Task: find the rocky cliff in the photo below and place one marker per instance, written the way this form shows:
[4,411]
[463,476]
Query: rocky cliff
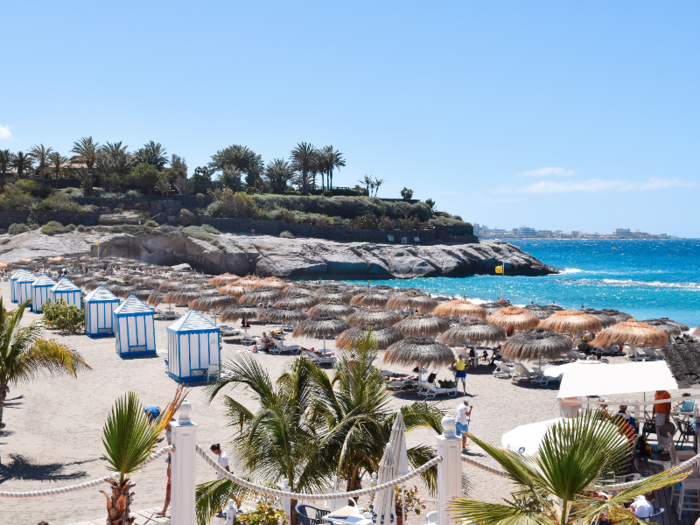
[293,258]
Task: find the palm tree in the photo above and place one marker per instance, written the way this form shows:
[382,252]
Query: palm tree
[354,413]
[21,162]
[303,160]
[24,353]
[129,438]
[152,153]
[377,184]
[56,164]
[333,159]
[115,158]
[5,159]
[278,173]
[86,152]
[163,185]
[40,154]
[556,487]
[278,441]
[368,181]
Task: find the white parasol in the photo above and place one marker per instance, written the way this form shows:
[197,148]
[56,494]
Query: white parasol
[398,445]
[384,506]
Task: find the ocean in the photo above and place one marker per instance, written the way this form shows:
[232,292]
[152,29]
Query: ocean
[644,278]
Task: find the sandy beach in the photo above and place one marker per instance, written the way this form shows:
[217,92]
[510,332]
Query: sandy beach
[53,426]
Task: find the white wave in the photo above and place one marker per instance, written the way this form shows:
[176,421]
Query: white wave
[571,270]
[651,284]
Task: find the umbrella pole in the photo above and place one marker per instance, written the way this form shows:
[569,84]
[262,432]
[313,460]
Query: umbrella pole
[403,503]
[324,342]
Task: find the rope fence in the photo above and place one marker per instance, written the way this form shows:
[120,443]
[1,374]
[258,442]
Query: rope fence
[312,497]
[492,470]
[80,486]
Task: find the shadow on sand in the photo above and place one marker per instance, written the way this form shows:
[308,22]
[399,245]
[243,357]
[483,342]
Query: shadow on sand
[21,467]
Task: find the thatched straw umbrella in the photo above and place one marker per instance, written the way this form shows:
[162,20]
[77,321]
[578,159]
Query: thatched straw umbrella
[384,334]
[423,325]
[322,326]
[514,319]
[261,296]
[331,308]
[247,282]
[617,315]
[142,293]
[667,325]
[224,279]
[283,315]
[296,291]
[634,332]
[210,303]
[155,298]
[233,290]
[94,284]
[369,298]
[272,282]
[494,307]
[473,331]
[373,316]
[333,294]
[536,344]
[57,259]
[460,308]
[684,361]
[542,311]
[572,322]
[421,351]
[184,297]
[122,290]
[300,303]
[605,319]
[413,300]
[241,311]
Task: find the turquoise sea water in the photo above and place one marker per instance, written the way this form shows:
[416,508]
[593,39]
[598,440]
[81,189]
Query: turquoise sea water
[647,279]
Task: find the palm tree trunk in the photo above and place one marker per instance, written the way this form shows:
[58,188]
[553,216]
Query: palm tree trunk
[3,395]
[119,503]
[330,175]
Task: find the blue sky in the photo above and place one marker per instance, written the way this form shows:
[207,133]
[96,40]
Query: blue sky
[555,115]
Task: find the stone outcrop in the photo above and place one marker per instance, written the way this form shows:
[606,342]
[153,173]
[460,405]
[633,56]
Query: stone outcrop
[293,258]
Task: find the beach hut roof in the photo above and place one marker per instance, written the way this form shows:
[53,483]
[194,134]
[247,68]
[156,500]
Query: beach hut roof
[192,321]
[133,305]
[65,285]
[27,277]
[101,294]
[44,280]
[18,274]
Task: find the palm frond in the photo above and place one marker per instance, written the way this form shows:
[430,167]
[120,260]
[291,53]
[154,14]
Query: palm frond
[474,511]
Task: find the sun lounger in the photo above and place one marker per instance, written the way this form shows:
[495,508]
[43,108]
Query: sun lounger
[523,374]
[281,349]
[318,359]
[430,391]
[401,385]
[502,371]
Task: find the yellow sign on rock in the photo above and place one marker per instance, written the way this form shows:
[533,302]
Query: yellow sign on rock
[499,269]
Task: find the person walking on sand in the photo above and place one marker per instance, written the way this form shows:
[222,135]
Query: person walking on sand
[459,366]
[463,414]
[222,461]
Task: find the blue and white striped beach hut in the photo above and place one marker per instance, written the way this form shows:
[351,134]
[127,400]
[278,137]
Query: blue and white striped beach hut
[135,328]
[99,312]
[14,285]
[194,349]
[64,290]
[41,292]
[25,287]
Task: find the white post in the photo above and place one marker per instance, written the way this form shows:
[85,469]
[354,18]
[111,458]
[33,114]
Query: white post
[286,502]
[449,480]
[183,475]
[230,512]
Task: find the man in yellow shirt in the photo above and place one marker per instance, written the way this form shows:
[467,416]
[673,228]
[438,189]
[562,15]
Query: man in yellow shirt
[459,366]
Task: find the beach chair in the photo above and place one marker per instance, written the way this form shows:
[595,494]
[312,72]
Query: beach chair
[431,517]
[430,391]
[279,348]
[309,515]
[502,371]
[213,371]
[523,374]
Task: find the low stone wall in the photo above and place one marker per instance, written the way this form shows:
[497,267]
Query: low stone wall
[86,218]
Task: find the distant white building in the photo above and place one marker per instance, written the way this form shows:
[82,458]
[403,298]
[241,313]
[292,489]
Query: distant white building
[526,231]
[477,228]
[621,231]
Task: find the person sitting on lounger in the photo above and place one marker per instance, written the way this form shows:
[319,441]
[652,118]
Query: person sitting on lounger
[267,343]
[254,350]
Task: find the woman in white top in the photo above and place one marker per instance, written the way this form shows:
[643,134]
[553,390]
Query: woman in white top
[222,459]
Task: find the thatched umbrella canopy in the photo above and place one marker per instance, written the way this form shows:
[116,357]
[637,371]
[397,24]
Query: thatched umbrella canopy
[373,316]
[473,330]
[224,279]
[283,315]
[185,297]
[536,344]
[543,311]
[414,300]
[460,308]
[605,319]
[633,332]
[667,325]
[142,293]
[423,325]
[272,282]
[210,303]
[261,296]
[300,303]
[322,326]
[296,291]
[331,308]
[384,334]
[333,294]
[369,298]
[421,351]
[248,281]
[514,319]
[494,307]
[122,290]
[572,322]
[94,284]
[233,290]
[617,315]
[241,311]
[155,298]
[684,361]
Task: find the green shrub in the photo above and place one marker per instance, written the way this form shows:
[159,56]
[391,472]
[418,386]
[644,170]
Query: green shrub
[60,202]
[199,233]
[327,192]
[230,204]
[366,222]
[74,192]
[385,223]
[287,235]
[201,200]
[56,228]
[406,194]
[133,194]
[14,198]
[81,228]
[62,317]
[16,229]
[187,218]
[151,224]
[5,240]
[34,188]
[210,229]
